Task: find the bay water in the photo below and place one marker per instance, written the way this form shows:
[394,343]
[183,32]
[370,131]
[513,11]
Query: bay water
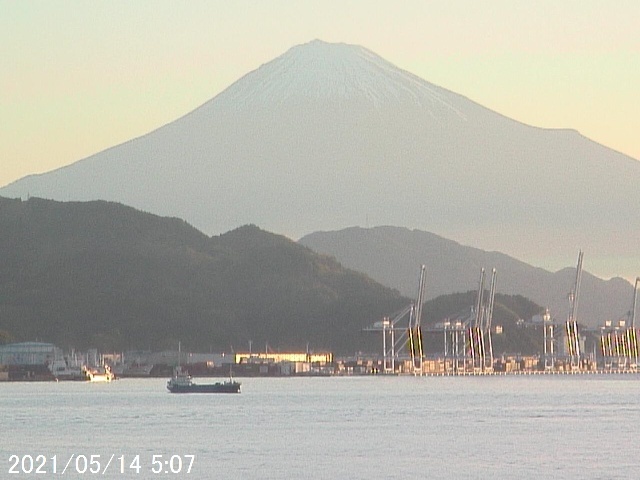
[384,427]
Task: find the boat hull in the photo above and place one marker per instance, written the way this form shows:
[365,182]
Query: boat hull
[227,387]
[98,374]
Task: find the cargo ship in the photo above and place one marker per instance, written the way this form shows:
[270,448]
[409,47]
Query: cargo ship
[181,382]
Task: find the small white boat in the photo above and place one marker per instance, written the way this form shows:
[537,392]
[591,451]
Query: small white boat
[99,374]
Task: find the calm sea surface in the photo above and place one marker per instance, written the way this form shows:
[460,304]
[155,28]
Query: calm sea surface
[574,427]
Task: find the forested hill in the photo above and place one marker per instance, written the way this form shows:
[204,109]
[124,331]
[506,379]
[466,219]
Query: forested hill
[100,274]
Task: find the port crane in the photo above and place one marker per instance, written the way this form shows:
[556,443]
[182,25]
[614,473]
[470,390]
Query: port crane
[489,319]
[573,339]
[619,342]
[632,332]
[403,330]
[392,345]
[635,303]
[475,331]
[402,336]
[415,328]
[480,343]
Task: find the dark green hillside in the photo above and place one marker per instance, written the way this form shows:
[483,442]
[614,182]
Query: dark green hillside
[517,337]
[100,274]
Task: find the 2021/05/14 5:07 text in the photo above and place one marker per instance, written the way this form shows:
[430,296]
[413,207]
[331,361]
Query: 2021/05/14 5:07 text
[100,464]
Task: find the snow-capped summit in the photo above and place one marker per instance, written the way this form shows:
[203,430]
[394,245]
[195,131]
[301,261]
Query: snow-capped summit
[332,71]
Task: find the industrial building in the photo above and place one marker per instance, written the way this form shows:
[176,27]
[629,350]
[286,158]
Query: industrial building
[29,353]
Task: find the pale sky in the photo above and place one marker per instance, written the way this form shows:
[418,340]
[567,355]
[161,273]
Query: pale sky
[77,77]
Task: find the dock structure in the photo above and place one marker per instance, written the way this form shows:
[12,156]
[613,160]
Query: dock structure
[619,345]
[402,335]
[467,346]
[466,338]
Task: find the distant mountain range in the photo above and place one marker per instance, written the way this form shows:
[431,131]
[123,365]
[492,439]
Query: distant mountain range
[392,256]
[329,136]
[99,274]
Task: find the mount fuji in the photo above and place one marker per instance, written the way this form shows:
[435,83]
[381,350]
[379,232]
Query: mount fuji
[328,136]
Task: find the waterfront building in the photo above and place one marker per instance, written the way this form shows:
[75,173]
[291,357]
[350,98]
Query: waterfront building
[272,357]
[29,353]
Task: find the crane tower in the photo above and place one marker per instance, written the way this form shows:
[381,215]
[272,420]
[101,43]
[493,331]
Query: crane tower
[573,339]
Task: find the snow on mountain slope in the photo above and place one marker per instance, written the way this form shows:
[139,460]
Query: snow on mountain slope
[322,71]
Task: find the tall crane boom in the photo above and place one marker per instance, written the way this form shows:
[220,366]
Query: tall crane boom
[573,339]
[489,316]
[576,288]
[635,303]
[633,333]
[477,347]
[479,298]
[420,299]
[415,330]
